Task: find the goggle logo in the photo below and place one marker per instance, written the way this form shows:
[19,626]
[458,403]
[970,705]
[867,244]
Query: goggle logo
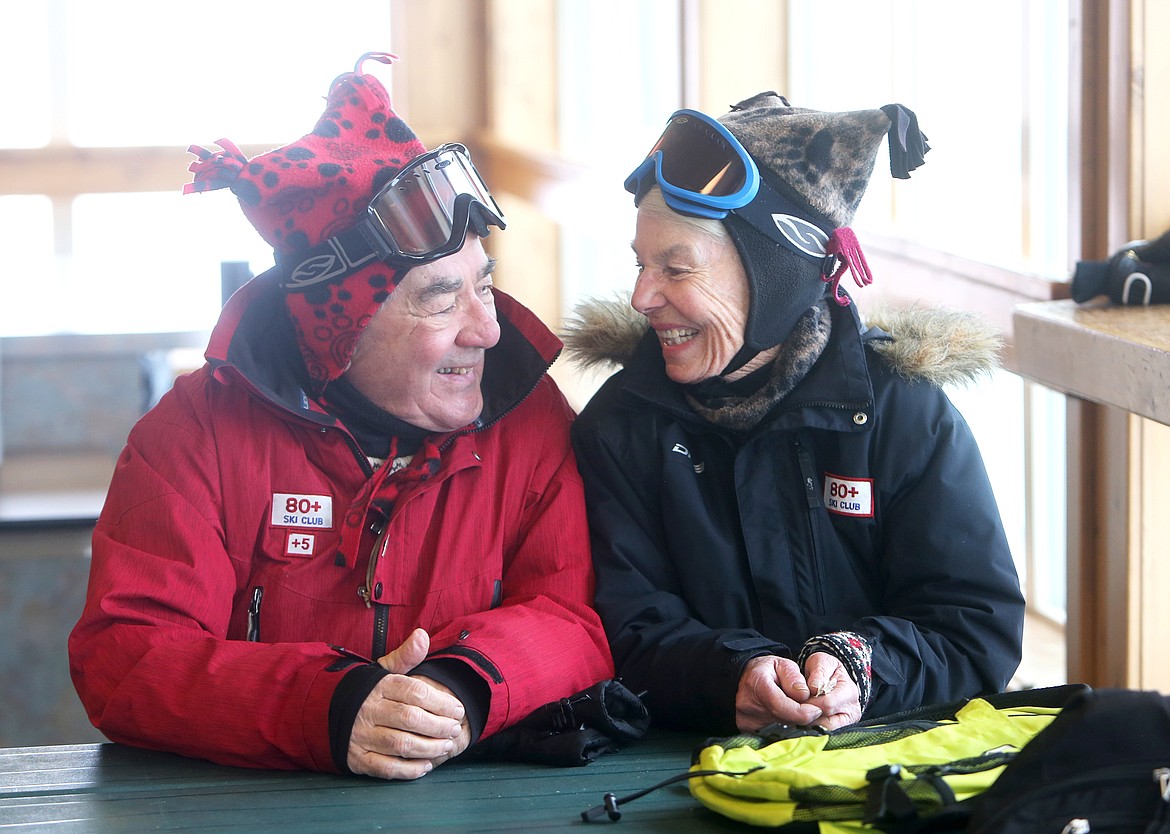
[318,269]
[803,235]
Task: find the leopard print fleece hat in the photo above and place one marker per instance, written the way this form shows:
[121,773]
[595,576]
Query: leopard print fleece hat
[300,194]
[821,163]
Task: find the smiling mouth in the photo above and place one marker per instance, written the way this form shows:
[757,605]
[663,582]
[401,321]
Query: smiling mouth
[676,336]
[456,371]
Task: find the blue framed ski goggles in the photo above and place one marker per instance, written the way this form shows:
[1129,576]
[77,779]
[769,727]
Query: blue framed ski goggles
[420,215]
[701,168]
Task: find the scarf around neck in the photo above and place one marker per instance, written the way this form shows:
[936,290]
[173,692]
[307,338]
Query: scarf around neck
[741,405]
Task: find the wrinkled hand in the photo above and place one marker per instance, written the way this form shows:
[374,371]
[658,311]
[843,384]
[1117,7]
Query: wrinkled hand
[840,703]
[773,689]
[407,726]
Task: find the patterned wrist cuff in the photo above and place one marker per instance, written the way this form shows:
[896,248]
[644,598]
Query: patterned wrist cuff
[852,650]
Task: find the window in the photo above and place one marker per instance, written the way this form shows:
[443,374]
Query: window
[116,91]
[994,102]
[611,132]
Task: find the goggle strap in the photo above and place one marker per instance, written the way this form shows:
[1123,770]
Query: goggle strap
[783,222]
[332,259]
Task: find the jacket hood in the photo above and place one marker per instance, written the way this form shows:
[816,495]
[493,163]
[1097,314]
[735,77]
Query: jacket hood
[940,346]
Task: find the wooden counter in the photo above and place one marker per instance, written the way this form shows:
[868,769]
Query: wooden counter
[1118,356]
[1114,363]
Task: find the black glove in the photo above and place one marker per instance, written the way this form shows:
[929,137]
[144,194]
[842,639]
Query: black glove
[1137,274]
[571,731]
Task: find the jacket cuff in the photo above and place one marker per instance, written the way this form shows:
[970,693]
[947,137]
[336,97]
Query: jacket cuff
[347,700]
[853,651]
[467,686]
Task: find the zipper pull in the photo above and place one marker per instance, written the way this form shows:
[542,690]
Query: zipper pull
[344,652]
[366,592]
[254,614]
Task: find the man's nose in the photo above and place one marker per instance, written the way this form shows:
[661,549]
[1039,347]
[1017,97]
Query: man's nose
[480,328]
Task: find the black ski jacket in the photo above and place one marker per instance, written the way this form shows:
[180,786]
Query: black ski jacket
[861,503]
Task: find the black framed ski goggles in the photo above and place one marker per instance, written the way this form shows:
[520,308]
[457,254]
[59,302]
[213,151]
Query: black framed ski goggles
[421,215]
[700,167]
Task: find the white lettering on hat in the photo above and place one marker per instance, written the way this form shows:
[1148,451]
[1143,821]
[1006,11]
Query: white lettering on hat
[803,235]
[849,496]
[292,510]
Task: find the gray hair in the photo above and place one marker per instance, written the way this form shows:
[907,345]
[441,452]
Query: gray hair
[654,205]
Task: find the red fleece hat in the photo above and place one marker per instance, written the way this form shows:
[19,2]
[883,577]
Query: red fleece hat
[300,194]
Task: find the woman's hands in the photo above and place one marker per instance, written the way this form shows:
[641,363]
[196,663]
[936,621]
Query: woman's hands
[773,689]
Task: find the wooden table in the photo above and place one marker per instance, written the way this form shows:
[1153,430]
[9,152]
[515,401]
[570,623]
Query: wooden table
[113,788]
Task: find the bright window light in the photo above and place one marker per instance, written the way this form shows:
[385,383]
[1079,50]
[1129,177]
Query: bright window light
[253,72]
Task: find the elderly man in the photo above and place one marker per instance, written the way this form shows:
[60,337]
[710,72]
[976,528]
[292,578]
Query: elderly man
[355,539]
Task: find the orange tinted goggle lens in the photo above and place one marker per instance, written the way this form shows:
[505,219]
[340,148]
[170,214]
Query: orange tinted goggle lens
[698,159]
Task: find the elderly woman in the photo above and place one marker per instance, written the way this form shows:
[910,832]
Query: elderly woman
[790,520]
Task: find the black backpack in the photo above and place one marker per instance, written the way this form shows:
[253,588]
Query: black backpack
[1102,766]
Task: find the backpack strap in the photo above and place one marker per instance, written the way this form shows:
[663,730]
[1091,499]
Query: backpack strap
[886,801]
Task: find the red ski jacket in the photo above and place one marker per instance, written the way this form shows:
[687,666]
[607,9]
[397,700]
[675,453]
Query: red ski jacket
[239,562]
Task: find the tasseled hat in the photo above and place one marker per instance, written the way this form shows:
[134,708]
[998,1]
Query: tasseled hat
[820,163]
[300,194]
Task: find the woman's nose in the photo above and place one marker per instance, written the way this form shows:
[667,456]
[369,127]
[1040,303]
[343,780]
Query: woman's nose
[646,296]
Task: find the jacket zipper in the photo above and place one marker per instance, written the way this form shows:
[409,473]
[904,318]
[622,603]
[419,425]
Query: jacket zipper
[808,475]
[812,497]
[254,614]
[381,628]
[366,591]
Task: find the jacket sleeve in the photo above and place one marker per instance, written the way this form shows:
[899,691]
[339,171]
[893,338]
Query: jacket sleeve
[150,657]
[659,647]
[544,640]
[952,610]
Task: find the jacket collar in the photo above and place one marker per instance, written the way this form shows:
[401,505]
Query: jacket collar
[836,388]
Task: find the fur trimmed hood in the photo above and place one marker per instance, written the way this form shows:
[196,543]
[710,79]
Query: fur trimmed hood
[943,347]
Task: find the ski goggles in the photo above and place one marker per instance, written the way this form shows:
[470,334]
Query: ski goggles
[700,167]
[702,170]
[421,215]
[424,211]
